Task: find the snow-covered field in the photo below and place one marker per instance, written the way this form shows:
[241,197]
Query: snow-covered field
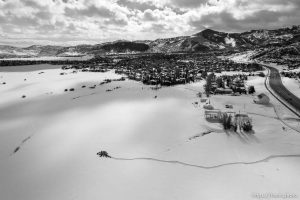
[292,84]
[241,57]
[49,141]
[70,57]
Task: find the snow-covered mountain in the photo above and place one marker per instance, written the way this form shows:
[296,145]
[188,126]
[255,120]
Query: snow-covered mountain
[205,40]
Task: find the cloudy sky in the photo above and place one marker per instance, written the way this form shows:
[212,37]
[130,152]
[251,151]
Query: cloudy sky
[65,22]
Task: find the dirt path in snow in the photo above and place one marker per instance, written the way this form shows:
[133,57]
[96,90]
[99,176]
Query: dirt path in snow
[207,167]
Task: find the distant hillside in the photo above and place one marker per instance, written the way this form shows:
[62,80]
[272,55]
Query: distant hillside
[288,51]
[277,41]
[122,47]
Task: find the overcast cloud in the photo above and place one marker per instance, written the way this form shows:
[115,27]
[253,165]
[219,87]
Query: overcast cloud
[95,21]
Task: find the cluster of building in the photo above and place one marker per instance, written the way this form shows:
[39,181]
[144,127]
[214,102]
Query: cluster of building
[226,84]
[158,72]
[88,68]
[228,117]
[168,70]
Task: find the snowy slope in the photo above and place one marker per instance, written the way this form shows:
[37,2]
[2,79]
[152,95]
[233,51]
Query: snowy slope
[59,133]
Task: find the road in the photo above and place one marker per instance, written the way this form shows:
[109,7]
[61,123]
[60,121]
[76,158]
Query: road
[276,85]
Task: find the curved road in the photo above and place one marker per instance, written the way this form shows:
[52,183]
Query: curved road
[276,85]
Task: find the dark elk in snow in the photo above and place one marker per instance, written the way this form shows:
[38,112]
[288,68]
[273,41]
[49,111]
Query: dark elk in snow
[103,154]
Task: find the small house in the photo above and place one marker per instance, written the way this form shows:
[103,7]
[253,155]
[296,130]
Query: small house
[223,91]
[213,115]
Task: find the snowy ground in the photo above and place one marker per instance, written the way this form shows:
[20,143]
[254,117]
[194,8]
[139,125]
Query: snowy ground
[52,58]
[292,84]
[49,141]
[241,57]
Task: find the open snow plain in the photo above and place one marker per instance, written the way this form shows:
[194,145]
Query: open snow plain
[161,144]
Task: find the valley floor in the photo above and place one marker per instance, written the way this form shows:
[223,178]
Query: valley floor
[49,141]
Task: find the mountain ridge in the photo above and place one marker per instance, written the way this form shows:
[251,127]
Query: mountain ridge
[205,40]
